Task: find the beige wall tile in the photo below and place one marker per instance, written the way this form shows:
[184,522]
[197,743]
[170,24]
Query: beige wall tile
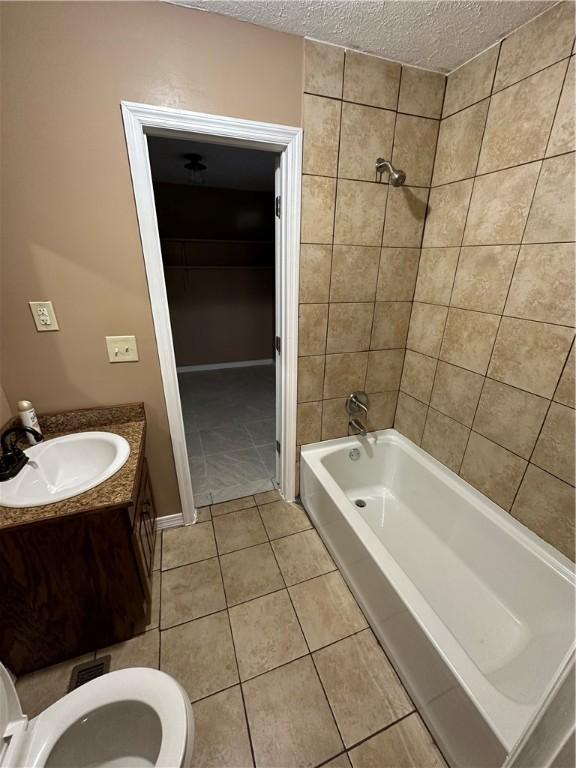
[323,69]
[499,206]
[426,328]
[546,505]
[520,119]
[360,210]
[390,328]
[321,135]
[405,214]
[318,197]
[566,386]
[315,264]
[414,147]
[534,46]
[354,273]
[381,412]
[418,375]
[310,378]
[471,82]
[436,275]
[563,136]
[371,80]
[410,417]
[397,275]
[445,439]
[510,417]
[334,418]
[384,370]
[357,159]
[309,423]
[345,373]
[530,355]
[554,450]
[469,338]
[447,208]
[421,92]
[456,392]
[459,143]
[552,214]
[312,327]
[407,743]
[543,284]
[483,277]
[493,470]
[349,327]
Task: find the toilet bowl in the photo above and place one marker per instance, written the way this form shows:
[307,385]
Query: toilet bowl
[132,718]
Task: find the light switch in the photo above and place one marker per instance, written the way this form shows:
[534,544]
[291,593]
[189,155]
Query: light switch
[44,315]
[122,349]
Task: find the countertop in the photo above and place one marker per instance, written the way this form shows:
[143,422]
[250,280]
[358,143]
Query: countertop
[119,490]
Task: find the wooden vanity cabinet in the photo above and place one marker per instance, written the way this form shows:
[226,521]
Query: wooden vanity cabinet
[76,583]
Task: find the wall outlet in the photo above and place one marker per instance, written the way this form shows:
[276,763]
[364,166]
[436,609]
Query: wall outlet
[122,349]
[44,315]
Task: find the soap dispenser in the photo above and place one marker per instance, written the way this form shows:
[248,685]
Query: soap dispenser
[28,418]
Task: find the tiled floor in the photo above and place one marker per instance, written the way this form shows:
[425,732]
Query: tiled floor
[229,418]
[252,617]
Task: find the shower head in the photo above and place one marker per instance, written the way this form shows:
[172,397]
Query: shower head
[397,177]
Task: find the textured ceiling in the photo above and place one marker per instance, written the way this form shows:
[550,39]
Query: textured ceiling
[434,34]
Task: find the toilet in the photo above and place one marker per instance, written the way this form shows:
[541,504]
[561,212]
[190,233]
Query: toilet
[132,718]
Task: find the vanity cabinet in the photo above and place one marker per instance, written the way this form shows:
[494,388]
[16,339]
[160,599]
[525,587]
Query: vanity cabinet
[76,583]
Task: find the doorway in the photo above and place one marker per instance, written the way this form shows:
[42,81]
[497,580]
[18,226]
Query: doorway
[276,391]
[215,207]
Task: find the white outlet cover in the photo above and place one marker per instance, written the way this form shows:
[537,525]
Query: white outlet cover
[122,349]
[44,315]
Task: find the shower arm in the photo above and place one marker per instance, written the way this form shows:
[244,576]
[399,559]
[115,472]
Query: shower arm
[397,176]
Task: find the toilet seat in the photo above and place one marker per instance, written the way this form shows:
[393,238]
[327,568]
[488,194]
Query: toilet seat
[113,698]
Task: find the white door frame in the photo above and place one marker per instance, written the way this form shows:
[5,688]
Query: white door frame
[141,120]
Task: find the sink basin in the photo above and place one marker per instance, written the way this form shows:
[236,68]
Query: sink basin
[64,467]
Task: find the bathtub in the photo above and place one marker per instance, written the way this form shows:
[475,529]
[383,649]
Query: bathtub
[474,610]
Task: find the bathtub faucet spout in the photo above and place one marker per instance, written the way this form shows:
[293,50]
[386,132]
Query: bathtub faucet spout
[357,408]
[359,428]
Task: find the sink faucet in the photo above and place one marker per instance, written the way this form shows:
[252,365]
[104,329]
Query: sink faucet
[13,458]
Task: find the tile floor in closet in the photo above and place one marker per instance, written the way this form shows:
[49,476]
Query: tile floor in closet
[252,617]
[230,423]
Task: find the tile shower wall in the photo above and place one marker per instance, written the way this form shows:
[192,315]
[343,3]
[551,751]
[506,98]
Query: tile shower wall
[360,239]
[487,385]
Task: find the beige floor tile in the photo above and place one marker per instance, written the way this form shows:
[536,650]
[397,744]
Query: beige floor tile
[204,515]
[157,552]
[362,688]
[191,591]
[342,761]
[250,573]
[155,600]
[232,506]
[290,721]
[405,745]
[200,655]
[266,634]
[221,734]
[302,556]
[38,690]
[188,544]
[238,530]
[267,496]
[140,651]
[326,609]
[282,518]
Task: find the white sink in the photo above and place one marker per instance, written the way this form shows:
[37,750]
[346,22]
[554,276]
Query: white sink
[64,467]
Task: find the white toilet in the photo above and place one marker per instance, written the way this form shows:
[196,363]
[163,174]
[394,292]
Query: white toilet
[132,718]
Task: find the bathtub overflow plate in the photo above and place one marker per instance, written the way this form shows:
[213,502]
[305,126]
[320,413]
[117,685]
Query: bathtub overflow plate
[354,454]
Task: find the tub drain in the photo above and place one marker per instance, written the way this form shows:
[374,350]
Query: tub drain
[360,503]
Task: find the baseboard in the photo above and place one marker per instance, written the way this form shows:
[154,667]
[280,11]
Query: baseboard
[221,366]
[169,521]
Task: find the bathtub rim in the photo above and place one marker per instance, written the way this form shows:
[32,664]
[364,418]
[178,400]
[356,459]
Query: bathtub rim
[431,624]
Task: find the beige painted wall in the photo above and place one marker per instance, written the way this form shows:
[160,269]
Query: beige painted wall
[69,224]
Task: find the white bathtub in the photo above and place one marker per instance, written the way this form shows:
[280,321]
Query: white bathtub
[474,610]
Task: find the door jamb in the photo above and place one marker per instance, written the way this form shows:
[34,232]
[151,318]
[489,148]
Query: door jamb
[141,120]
